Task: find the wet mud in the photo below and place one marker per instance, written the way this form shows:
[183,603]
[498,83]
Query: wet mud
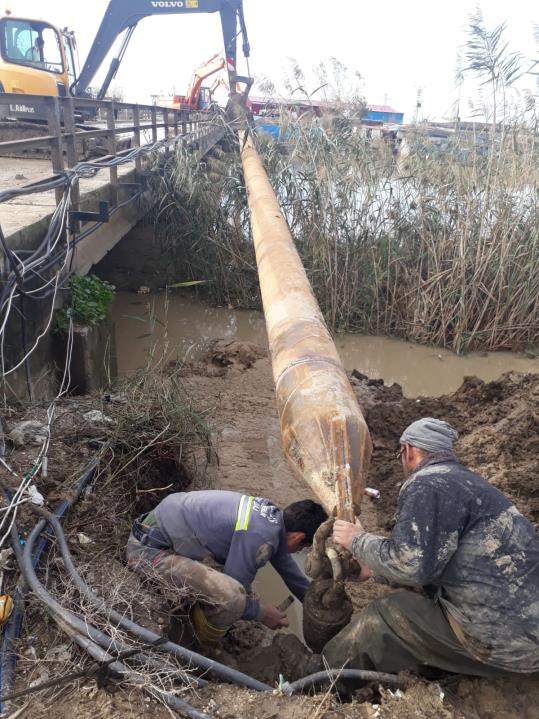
[498,423]
[498,426]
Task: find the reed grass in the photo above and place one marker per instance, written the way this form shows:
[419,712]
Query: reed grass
[440,246]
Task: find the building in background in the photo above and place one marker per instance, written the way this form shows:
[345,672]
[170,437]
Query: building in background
[382,115]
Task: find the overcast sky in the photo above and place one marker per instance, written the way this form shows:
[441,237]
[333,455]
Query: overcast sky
[396,46]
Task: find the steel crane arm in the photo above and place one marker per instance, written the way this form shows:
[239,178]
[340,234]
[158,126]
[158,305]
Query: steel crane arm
[124,15]
[200,74]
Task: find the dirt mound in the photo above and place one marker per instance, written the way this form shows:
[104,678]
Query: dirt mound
[231,354]
[498,423]
[252,651]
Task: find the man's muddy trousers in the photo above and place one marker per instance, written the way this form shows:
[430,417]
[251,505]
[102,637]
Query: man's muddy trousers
[222,597]
[403,630]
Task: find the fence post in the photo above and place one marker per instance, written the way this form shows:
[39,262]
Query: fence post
[56,146]
[167,129]
[136,123]
[71,151]
[184,123]
[154,123]
[111,136]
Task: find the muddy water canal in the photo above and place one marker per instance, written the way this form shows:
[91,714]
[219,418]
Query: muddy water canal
[183,329]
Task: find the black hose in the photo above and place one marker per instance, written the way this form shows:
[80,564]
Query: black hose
[330,675]
[142,633]
[12,630]
[76,623]
[116,667]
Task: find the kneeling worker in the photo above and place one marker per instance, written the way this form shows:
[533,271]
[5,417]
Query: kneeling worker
[239,532]
[472,555]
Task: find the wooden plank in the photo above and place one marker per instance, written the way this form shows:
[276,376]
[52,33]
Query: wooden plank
[111,144]
[52,107]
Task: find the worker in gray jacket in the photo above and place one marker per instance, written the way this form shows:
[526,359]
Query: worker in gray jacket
[239,532]
[470,564]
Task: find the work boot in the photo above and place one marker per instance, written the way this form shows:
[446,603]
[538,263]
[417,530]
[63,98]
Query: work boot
[206,633]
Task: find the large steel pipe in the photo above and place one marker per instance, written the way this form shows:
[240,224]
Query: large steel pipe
[325,436]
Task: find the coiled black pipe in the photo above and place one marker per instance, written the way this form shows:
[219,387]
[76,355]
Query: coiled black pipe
[118,668]
[329,675]
[12,630]
[146,635]
[81,626]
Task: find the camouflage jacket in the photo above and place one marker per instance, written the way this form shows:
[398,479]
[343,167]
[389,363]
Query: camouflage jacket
[461,539]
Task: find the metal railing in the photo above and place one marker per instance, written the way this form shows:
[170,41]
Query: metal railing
[69,123]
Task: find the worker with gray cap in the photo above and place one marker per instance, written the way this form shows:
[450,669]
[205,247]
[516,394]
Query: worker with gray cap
[467,563]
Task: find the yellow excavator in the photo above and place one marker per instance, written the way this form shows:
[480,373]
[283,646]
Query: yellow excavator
[37,58]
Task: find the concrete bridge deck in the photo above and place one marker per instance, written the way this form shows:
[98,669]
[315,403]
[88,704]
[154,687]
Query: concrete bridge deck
[22,212]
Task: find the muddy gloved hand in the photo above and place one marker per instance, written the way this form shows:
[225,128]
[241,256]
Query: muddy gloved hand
[273,617]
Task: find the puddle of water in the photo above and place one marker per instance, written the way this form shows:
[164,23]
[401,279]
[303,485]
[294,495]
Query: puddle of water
[271,588]
[186,328]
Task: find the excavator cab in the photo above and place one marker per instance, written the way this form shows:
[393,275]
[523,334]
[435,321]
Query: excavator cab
[36,59]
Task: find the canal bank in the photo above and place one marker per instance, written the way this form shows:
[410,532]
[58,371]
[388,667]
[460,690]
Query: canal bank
[183,328]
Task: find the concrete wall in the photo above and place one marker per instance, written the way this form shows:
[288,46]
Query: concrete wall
[43,362]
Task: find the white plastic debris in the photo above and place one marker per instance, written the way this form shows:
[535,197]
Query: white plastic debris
[372,492]
[96,415]
[5,556]
[84,538]
[35,496]
[43,677]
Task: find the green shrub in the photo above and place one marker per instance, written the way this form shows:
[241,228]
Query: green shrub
[90,299]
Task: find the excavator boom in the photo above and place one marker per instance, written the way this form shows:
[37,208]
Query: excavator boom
[213,65]
[124,15]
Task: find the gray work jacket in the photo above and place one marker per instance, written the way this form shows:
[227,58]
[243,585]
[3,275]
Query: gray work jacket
[241,533]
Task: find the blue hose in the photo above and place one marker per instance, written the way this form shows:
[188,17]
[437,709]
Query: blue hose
[13,628]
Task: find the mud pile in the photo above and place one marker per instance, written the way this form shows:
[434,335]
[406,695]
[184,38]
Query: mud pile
[498,423]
